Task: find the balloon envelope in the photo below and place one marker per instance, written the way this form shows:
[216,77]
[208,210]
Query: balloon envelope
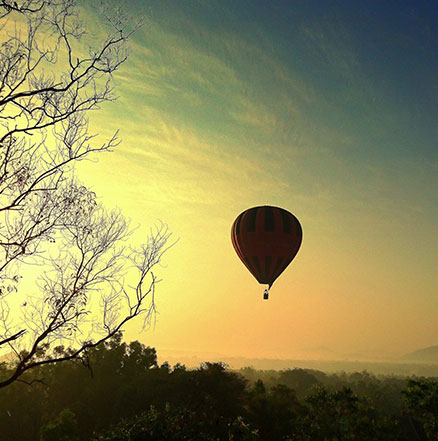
[266,239]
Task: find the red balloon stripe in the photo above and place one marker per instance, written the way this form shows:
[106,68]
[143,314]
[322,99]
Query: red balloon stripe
[266,239]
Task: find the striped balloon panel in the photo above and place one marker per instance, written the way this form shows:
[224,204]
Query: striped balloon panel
[266,239]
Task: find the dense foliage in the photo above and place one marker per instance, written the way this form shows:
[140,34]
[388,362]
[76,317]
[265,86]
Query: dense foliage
[124,395]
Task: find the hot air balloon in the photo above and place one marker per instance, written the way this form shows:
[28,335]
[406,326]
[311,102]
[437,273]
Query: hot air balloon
[266,239]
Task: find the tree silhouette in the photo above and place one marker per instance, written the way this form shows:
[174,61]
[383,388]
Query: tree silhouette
[49,81]
[127,396]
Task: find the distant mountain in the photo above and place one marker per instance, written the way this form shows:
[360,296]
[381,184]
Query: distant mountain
[426,355]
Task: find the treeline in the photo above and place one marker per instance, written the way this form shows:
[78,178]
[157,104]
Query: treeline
[124,395]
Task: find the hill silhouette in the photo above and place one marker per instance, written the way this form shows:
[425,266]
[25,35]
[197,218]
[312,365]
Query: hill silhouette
[428,355]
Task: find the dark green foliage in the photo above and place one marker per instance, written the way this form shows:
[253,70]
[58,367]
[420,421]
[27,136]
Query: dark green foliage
[176,424]
[340,415]
[124,395]
[421,396]
[300,380]
[275,413]
[63,428]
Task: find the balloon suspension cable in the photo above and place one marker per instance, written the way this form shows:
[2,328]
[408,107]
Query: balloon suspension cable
[266,294]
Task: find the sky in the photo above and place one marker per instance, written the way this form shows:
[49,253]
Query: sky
[325,108]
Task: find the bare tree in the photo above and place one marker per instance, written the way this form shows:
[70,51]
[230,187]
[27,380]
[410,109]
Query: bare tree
[49,81]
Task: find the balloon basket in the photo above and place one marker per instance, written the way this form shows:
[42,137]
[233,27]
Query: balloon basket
[266,294]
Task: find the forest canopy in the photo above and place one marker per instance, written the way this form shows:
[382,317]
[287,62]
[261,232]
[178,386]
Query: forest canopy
[125,394]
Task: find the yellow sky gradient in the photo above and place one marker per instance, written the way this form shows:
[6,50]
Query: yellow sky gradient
[350,296]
